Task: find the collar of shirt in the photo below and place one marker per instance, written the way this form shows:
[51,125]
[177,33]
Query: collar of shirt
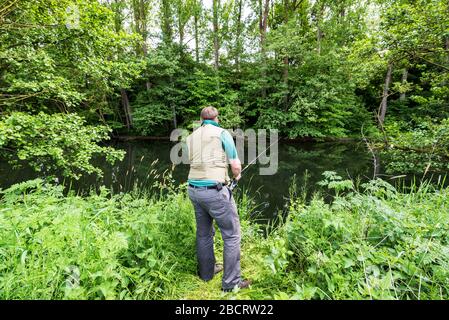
[212,122]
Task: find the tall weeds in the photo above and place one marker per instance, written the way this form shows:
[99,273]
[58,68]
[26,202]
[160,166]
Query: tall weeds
[372,241]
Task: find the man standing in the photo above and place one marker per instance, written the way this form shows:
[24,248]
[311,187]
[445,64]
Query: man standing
[210,148]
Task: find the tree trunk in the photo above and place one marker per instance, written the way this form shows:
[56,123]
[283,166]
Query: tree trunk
[263,33]
[216,5]
[447,39]
[181,36]
[118,19]
[172,105]
[175,122]
[167,33]
[376,165]
[404,80]
[126,109]
[286,62]
[318,39]
[263,23]
[118,16]
[447,49]
[144,15]
[138,12]
[238,46]
[140,8]
[180,23]
[383,105]
[319,32]
[197,50]
[286,70]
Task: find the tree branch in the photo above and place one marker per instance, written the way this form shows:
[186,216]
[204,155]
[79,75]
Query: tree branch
[431,62]
[4,11]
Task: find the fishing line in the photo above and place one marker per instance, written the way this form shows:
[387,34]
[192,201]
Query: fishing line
[235,182]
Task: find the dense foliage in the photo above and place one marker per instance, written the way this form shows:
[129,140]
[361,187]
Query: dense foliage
[309,68]
[55,144]
[376,244]
[88,248]
[421,150]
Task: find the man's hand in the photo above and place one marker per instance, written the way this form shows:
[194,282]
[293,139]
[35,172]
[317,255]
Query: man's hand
[236,168]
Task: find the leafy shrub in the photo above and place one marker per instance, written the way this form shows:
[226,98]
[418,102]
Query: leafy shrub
[57,142]
[380,244]
[423,148]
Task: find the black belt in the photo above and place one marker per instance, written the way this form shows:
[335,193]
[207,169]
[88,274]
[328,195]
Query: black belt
[217,186]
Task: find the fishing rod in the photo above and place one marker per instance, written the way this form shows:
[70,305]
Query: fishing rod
[235,182]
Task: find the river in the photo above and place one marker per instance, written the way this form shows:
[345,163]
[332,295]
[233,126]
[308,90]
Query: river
[270,193]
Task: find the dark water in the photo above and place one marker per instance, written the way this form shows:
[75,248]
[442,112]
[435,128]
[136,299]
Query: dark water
[304,161]
[270,193]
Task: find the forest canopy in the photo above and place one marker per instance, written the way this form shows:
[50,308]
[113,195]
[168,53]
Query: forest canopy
[309,68]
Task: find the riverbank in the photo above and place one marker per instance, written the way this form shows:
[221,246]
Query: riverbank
[380,243]
[126,138]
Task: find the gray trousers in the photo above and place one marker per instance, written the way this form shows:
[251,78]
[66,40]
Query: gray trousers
[211,204]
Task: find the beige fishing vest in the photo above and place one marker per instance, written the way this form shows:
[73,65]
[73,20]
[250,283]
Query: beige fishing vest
[208,160]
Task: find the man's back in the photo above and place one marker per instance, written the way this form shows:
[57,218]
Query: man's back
[206,154]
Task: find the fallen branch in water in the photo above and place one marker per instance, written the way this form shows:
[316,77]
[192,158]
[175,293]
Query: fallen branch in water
[419,150]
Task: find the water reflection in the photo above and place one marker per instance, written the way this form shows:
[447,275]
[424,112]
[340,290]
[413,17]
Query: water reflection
[270,192]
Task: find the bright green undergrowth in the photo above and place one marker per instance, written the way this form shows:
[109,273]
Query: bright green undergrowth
[379,243]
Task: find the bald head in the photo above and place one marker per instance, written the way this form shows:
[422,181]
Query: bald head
[209,113]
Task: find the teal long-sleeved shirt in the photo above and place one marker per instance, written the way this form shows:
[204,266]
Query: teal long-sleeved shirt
[228,146]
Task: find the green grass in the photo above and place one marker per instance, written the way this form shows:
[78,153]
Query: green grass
[379,244]
[127,246]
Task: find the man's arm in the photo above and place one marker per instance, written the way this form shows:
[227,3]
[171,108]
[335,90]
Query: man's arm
[231,152]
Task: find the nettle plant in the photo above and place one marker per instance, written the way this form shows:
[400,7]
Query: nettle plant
[334,182]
